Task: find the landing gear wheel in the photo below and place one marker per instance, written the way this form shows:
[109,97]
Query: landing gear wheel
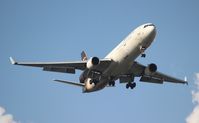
[143,55]
[111,83]
[131,85]
[127,86]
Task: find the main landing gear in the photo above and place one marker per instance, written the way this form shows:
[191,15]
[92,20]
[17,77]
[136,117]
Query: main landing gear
[131,85]
[111,83]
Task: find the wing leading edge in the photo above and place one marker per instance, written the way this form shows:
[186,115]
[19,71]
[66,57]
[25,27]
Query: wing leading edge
[66,67]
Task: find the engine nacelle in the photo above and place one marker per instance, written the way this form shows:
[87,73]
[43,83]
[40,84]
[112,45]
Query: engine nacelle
[92,62]
[88,84]
[150,69]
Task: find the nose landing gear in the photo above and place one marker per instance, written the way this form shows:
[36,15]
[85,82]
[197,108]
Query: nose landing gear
[142,49]
[143,55]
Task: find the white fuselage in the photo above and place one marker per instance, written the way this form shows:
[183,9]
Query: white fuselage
[124,54]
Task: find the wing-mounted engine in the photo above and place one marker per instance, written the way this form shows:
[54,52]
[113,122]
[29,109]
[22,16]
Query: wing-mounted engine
[150,69]
[92,62]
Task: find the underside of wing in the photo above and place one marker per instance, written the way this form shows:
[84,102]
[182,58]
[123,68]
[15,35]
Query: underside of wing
[65,67]
[139,70]
[167,78]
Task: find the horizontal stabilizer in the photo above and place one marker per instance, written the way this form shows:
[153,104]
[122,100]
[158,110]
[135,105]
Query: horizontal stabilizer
[70,83]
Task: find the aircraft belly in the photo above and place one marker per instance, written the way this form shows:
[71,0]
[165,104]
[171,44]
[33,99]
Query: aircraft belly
[122,61]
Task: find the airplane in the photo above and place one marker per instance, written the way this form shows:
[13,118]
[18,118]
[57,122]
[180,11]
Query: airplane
[119,64]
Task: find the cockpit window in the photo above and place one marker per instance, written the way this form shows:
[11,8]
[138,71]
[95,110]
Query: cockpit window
[148,25]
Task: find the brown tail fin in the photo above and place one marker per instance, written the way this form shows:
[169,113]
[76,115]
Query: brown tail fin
[83,56]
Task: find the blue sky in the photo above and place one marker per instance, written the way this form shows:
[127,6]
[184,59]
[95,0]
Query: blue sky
[47,30]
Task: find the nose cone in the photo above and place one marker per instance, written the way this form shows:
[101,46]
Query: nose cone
[150,30]
[153,29]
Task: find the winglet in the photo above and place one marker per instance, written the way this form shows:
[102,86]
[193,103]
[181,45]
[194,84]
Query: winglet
[185,79]
[12,61]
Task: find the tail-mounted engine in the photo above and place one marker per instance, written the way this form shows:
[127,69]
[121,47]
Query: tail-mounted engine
[150,69]
[92,62]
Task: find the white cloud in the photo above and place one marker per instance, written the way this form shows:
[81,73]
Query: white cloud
[5,118]
[194,116]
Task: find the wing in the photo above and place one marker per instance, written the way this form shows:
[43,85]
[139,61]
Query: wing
[138,69]
[65,67]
